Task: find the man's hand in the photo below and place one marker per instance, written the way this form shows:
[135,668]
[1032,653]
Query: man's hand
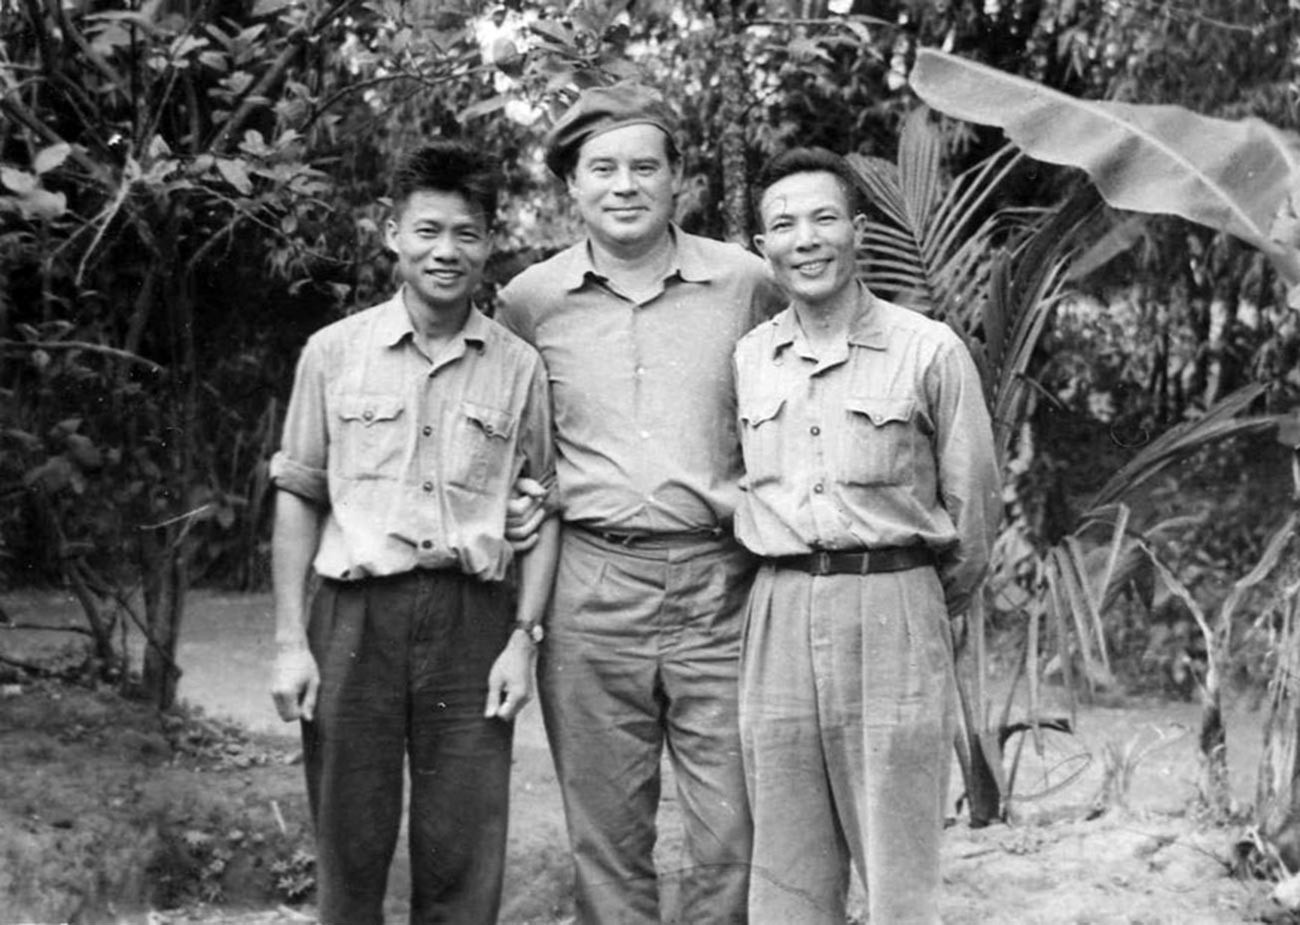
[524,514]
[295,683]
[510,682]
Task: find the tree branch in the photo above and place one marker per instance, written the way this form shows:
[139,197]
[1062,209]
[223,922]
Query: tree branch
[11,627]
[22,115]
[94,57]
[82,345]
[274,74]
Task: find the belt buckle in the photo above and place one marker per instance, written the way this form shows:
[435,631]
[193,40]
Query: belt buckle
[819,563]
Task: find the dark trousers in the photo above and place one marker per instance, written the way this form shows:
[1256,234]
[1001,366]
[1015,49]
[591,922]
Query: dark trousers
[404,663]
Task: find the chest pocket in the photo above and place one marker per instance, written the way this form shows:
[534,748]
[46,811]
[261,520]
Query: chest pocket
[370,436]
[484,447]
[760,438]
[881,440]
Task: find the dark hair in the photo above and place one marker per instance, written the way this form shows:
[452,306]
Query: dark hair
[809,160]
[449,166]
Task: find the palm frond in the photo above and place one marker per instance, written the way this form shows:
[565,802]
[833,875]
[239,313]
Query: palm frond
[1220,422]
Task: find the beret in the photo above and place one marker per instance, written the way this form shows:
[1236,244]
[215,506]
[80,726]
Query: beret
[602,109]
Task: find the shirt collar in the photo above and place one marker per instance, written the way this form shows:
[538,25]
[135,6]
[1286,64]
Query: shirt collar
[394,323]
[690,263]
[866,329]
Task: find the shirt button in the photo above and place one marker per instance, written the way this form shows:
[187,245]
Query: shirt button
[814,430]
[645,435]
[367,415]
[427,430]
[640,370]
[426,544]
[427,486]
[819,488]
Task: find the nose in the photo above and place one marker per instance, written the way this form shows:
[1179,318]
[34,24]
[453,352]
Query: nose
[806,234]
[443,247]
[623,180]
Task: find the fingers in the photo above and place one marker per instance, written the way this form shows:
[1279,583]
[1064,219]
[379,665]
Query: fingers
[286,704]
[295,685]
[522,544]
[516,699]
[496,687]
[308,706]
[530,487]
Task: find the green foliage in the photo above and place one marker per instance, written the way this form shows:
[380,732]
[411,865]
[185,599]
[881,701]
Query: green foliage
[295,876]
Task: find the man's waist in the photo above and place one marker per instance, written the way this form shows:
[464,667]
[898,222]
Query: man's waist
[632,536]
[410,576]
[856,561]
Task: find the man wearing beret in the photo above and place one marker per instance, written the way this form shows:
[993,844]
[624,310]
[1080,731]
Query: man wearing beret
[636,324]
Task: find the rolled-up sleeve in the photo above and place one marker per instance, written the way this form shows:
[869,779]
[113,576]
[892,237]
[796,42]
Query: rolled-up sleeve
[536,438]
[970,487]
[300,465]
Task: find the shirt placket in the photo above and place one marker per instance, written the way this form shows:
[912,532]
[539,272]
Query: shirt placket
[814,422]
[435,440]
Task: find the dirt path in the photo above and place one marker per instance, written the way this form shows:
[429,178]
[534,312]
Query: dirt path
[1152,862]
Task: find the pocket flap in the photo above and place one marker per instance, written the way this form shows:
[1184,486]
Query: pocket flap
[369,409]
[492,421]
[761,408]
[881,409]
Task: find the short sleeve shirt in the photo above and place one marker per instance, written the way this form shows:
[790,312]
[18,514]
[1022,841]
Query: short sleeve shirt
[414,458]
[642,391]
[884,440]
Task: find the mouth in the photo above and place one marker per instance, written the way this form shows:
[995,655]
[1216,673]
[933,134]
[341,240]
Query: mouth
[812,268]
[445,277]
[625,211]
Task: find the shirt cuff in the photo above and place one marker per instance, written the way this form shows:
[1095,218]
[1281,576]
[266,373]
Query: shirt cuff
[303,481]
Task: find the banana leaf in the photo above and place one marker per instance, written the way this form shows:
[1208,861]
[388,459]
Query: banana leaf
[1233,176]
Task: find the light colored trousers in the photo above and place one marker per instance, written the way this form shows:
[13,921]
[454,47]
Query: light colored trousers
[643,652]
[846,706]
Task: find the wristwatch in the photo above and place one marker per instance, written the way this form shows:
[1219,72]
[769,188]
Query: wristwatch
[534,631]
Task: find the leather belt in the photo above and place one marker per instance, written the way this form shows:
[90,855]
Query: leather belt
[861,562]
[630,538]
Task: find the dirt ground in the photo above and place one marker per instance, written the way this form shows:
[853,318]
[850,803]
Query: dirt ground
[112,814]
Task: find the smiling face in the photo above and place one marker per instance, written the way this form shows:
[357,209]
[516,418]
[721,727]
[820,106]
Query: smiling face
[809,236]
[623,185]
[442,243]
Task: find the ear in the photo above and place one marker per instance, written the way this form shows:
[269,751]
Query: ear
[859,229]
[390,234]
[759,241]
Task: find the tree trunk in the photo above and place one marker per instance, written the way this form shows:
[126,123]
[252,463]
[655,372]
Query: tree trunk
[1276,794]
[1213,737]
[164,556]
[977,747]
[735,165]
[163,571]
[1277,789]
